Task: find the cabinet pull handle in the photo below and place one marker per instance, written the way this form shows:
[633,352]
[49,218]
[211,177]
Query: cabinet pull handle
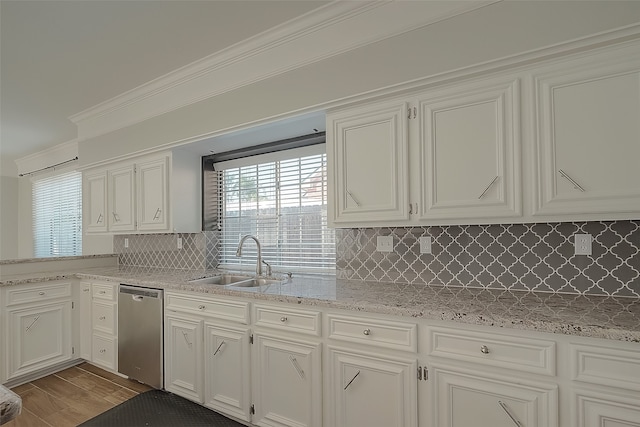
[103,350]
[157,215]
[283,319]
[488,187]
[201,307]
[186,338]
[294,362]
[354,377]
[353,198]
[367,331]
[484,349]
[32,323]
[415,112]
[573,182]
[219,347]
[40,293]
[99,219]
[116,218]
[102,317]
[85,290]
[102,292]
[505,408]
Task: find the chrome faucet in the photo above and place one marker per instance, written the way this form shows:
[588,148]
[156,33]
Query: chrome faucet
[259,259]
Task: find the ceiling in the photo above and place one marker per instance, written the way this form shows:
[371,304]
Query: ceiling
[58,58]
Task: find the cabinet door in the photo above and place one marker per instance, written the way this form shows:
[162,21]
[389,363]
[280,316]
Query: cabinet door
[105,351]
[183,357]
[588,140]
[464,399]
[226,370]
[96,197]
[85,320]
[286,375]
[153,195]
[41,337]
[597,409]
[469,152]
[371,391]
[367,160]
[121,199]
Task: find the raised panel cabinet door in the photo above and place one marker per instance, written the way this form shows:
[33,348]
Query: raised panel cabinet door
[597,409]
[287,382]
[41,337]
[469,151]
[84,302]
[367,160]
[153,195]
[121,200]
[96,197]
[183,357]
[105,351]
[226,370]
[588,139]
[372,391]
[464,399]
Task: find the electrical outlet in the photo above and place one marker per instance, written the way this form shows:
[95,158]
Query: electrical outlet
[582,244]
[179,242]
[126,242]
[425,245]
[385,244]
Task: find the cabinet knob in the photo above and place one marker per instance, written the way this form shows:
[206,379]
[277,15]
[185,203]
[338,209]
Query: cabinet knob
[201,307]
[484,349]
[283,319]
[40,293]
[103,351]
[102,292]
[102,317]
[367,331]
[85,290]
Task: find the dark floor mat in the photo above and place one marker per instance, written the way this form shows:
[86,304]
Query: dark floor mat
[156,408]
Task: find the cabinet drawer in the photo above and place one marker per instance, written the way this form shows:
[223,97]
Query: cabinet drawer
[104,315]
[305,322]
[522,354]
[232,311]
[105,352]
[606,366]
[38,293]
[104,291]
[394,335]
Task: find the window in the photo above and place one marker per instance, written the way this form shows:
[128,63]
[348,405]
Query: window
[283,202]
[57,215]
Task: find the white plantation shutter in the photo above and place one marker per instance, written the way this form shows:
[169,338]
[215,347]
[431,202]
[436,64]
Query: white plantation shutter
[57,215]
[283,203]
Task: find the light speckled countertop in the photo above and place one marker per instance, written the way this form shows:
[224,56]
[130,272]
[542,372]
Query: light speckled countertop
[592,316]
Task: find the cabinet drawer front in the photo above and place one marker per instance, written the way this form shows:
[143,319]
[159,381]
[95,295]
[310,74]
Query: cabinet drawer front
[104,317]
[305,322]
[522,354]
[105,352]
[104,291]
[394,335]
[606,366]
[232,311]
[38,293]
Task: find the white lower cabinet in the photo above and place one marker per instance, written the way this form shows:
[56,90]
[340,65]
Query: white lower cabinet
[596,409]
[103,318]
[467,399]
[183,357]
[367,390]
[226,369]
[287,381]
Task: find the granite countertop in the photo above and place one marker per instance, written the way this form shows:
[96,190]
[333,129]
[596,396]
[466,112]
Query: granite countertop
[615,318]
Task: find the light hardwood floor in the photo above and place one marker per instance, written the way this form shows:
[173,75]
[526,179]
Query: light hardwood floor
[70,397]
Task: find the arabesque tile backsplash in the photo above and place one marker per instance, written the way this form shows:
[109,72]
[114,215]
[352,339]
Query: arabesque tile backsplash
[536,257]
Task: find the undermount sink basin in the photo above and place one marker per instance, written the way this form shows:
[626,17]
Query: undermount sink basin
[222,280]
[255,282]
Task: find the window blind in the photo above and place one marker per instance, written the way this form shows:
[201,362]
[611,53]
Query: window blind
[283,203]
[57,215]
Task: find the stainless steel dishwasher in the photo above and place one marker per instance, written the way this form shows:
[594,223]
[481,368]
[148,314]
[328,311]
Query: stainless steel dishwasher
[140,340]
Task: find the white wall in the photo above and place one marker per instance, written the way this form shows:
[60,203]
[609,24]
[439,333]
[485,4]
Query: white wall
[9,191]
[492,32]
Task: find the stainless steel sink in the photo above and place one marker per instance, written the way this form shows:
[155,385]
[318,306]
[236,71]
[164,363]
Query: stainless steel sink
[222,280]
[255,282]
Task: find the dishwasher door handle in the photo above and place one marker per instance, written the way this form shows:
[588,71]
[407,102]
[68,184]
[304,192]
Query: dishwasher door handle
[137,297]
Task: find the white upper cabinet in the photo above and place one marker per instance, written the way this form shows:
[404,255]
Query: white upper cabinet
[469,151]
[153,196]
[157,193]
[588,137]
[121,201]
[367,150]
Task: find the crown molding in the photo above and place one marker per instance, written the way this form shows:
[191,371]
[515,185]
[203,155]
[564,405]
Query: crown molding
[45,159]
[328,31]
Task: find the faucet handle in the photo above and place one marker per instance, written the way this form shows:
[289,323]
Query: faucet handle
[268,268]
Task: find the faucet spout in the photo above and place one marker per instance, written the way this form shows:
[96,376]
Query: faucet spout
[259,257]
